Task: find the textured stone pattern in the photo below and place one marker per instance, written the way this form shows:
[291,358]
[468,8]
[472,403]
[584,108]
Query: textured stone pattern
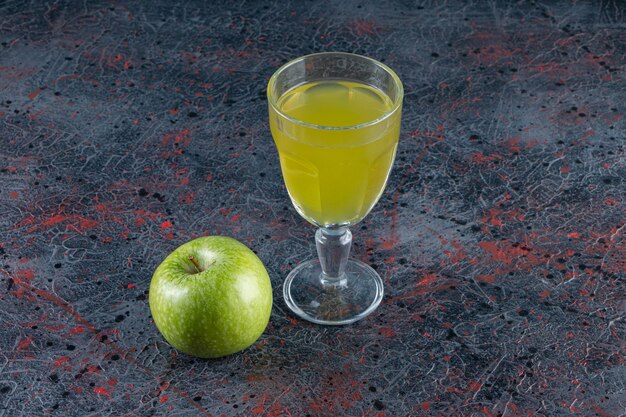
[129,127]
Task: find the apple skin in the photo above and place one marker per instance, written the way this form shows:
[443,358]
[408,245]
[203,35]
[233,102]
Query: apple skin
[216,312]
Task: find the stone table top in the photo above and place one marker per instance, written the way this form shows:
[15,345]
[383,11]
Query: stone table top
[130,127]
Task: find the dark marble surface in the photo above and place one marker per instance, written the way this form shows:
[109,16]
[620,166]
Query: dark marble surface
[128,128]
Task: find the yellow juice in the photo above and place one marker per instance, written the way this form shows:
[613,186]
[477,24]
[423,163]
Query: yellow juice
[335,172]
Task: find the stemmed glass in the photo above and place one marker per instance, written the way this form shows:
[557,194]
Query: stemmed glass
[335,119]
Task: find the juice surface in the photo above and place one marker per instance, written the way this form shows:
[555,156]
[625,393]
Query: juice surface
[335,103]
[335,176]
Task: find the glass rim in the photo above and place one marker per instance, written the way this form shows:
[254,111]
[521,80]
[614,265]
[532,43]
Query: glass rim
[396,104]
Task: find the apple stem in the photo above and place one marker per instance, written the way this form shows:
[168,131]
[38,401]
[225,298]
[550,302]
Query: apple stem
[195,263]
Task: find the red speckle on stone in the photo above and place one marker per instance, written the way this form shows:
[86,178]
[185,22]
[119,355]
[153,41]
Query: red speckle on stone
[474,386]
[87,223]
[458,255]
[60,361]
[493,218]
[24,222]
[455,390]
[513,144]
[551,67]
[102,391]
[235,218]
[574,235]
[480,158]
[147,214]
[180,172]
[487,412]
[260,407]
[77,329]
[136,121]
[426,134]
[173,111]
[166,224]
[35,93]
[389,244]
[599,411]
[130,286]
[182,137]
[14,195]
[387,331]
[163,398]
[20,293]
[364,27]
[427,280]
[501,255]
[275,411]
[57,218]
[486,278]
[112,382]
[24,343]
[25,274]
[425,406]
[187,198]
[169,236]
[178,138]
[92,369]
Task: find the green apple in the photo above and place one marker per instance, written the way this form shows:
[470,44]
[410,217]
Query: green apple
[211,297]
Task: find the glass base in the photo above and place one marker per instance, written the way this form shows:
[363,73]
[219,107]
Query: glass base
[333,301]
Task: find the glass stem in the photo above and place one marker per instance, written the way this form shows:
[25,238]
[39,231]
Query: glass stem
[333,248]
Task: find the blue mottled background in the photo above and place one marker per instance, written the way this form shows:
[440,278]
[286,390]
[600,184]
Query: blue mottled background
[128,128]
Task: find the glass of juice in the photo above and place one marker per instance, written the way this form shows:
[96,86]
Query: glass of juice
[335,119]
